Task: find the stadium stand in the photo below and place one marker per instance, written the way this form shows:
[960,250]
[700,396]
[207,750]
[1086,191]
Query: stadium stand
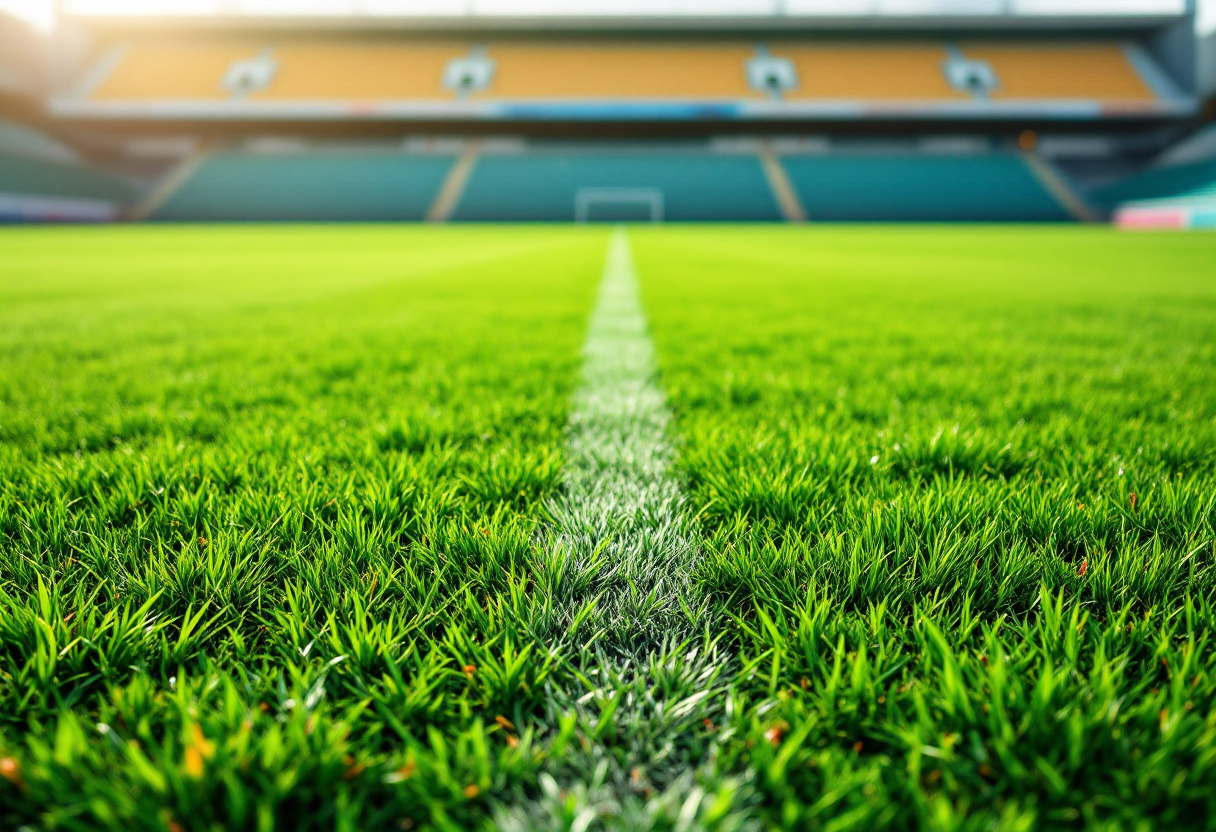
[19,140]
[308,185]
[577,78]
[996,187]
[1098,71]
[1199,147]
[879,72]
[354,72]
[947,118]
[166,70]
[1181,196]
[1179,181]
[42,179]
[735,181]
[621,71]
[551,185]
[1177,191]
[45,177]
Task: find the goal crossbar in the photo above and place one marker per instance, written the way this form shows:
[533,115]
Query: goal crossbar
[587,198]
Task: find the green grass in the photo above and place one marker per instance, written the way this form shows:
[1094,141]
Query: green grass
[233,457]
[958,487]
[274,554]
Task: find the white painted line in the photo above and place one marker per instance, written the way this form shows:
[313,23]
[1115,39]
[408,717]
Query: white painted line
[620,521]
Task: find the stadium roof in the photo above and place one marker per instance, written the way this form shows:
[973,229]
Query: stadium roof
[42,12]
[628,8]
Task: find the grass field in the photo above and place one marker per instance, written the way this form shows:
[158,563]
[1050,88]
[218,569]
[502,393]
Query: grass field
[282,543]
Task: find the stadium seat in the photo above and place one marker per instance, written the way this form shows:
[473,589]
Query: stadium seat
[1197,179]
[624,71]
[889,72]
[349,70]
[173,71]
[22,140]
[31,176]
[1101,72]
[309,186]
[914,187]
[547,185]
[355,71]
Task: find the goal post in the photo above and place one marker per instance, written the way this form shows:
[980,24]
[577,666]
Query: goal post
[649,200]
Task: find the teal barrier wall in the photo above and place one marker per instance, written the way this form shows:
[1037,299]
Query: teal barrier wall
[543,185]
[32,176]
[1183,181]
[865,187]
[313,186]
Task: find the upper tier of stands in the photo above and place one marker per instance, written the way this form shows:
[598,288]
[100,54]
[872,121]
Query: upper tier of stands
[303,70]
[318,77]
[619,71]
[902,72]
[167,71]
[1098,71]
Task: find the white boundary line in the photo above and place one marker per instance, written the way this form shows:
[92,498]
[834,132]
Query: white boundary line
[620,520]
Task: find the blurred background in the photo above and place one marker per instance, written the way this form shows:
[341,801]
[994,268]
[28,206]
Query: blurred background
[608,110]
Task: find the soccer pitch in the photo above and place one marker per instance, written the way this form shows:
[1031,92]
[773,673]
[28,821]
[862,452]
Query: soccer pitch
[679,528]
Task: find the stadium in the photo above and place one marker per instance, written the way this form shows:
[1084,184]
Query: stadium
[521,415]
[861,111]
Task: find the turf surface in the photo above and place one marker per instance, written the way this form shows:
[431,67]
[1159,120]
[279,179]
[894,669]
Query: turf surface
[960,486]
[274,550]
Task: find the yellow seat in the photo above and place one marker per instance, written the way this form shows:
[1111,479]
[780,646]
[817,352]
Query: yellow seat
[368,70]
[1100,71]
[357,71]
[625,71]
[174,70]
[899,72]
